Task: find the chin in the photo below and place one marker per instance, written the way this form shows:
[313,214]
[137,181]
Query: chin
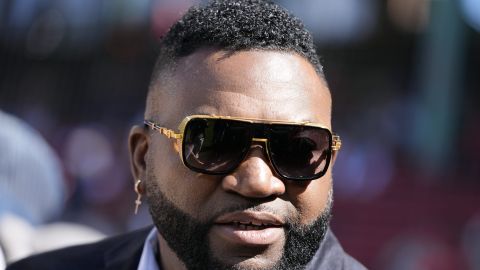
[248,258]
[241,255]
[251,263]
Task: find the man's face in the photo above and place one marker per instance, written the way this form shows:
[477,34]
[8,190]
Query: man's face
[198,215]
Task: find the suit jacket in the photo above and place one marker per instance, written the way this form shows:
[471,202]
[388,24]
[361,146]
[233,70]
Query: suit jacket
[123,253]
[116,253]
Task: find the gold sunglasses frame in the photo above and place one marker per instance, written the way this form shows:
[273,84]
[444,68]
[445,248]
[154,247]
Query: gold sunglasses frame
[170,134]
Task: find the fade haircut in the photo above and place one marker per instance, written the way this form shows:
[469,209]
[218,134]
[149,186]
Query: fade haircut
[236,25]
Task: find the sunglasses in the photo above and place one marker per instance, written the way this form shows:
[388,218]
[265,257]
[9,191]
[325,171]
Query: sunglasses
[217,145]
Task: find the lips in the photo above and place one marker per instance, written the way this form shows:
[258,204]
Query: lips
[249,228]
[250,218]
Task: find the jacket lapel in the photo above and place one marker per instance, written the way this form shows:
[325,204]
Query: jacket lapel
[125,255]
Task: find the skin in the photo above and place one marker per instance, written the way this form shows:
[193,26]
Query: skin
[259,84]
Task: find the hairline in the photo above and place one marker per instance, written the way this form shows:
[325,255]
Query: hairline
[168,67]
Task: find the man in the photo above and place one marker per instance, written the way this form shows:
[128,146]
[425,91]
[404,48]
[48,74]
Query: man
[245,181]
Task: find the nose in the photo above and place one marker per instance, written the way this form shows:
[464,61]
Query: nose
[254,177]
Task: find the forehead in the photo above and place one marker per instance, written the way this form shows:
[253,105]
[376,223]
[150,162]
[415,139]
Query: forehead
[258,84]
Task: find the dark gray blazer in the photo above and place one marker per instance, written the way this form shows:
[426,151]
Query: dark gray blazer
[123,253]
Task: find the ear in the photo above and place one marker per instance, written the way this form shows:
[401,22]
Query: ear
[334,157]
[138,142]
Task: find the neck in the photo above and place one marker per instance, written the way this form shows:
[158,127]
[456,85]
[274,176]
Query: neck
[167,258]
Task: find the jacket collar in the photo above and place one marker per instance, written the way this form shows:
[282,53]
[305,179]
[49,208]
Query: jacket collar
[125,255]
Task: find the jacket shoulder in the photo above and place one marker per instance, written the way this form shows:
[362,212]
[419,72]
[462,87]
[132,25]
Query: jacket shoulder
[96,255]
[331,255]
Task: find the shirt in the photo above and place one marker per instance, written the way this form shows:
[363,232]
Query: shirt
[147,259]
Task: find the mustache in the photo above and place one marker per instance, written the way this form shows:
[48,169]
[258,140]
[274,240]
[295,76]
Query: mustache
[290,219]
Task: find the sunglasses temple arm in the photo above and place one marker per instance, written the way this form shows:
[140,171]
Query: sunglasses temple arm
[336,143]
[164,131]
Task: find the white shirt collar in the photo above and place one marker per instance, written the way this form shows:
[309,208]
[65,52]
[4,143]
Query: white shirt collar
[148,260]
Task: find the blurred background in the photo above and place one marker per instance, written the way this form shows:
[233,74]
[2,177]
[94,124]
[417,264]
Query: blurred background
[406,86]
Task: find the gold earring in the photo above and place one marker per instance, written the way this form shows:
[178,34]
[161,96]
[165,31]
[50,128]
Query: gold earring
[138,201]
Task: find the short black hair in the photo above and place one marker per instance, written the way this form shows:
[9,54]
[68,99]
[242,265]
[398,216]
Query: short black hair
[236,25]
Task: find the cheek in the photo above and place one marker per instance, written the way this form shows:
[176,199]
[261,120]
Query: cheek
[310,200]
[187,190]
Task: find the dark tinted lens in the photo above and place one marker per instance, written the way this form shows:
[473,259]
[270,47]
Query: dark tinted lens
[300,152]
[215,146]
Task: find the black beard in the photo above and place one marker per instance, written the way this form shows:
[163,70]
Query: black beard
[187,237]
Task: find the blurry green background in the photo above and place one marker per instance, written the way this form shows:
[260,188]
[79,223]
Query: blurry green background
[406,86]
